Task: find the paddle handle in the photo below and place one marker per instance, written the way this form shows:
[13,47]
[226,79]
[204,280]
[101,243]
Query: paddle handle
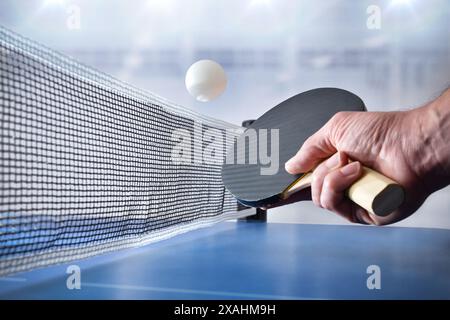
[374,192]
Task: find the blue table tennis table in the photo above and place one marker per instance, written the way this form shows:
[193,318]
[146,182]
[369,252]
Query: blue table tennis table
[254,260]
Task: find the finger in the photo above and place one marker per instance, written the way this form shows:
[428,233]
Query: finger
[362,215]
[313,151]
[332,195]
[301,195]
[354,213]
[338,160]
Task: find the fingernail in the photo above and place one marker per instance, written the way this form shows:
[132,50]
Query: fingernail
[289,162]
[350,169]
[290,165]
[363,216]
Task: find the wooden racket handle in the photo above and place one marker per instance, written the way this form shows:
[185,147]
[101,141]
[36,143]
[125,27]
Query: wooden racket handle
[374,192]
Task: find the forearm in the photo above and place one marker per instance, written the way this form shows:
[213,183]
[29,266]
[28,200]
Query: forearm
[432,152]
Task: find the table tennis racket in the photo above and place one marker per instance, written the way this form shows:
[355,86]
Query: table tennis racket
[296,119]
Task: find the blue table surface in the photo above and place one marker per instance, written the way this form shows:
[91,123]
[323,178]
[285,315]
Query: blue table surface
[251,260]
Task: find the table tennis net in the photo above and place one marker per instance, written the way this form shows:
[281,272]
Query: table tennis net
[85,162]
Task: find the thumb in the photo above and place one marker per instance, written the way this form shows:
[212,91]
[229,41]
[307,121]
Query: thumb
[314,150]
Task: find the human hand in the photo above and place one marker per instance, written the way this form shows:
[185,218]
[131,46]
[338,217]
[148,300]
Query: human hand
[399,145]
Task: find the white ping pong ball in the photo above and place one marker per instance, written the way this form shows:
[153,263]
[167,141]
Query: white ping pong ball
[205,80]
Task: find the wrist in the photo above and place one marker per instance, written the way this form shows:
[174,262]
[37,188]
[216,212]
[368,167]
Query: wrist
[430,125]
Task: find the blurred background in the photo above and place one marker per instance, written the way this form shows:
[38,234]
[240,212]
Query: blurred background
[394,54]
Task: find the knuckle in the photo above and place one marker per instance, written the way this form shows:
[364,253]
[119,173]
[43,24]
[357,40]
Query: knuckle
[339,117]
[316,177]
[327,200]
[320,173]
[327,203]
[335,127]
[329,183]
[309,143]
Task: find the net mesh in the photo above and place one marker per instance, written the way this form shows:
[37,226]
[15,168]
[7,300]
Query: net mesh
[85,162]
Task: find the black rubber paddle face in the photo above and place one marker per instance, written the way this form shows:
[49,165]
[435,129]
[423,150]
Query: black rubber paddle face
[262,181]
